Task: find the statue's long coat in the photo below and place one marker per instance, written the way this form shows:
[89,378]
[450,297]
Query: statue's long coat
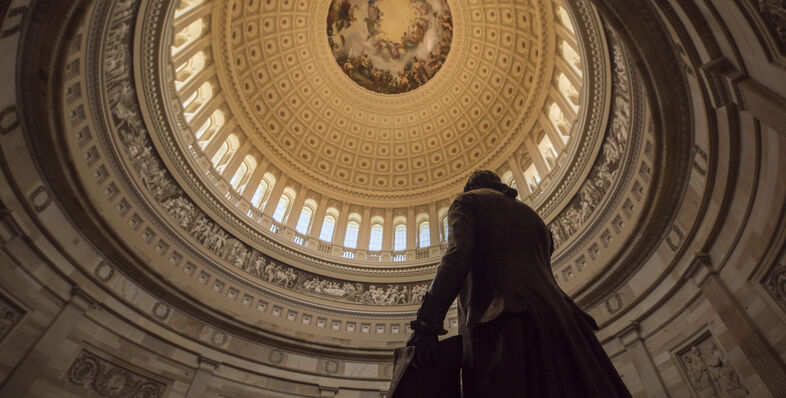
[523,337]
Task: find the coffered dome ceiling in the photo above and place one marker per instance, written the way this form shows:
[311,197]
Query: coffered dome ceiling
[329,126]
[252,174]
[289,135]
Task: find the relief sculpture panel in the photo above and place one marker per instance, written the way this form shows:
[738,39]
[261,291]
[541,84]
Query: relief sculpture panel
[708,371]
[10,316]
[111,380]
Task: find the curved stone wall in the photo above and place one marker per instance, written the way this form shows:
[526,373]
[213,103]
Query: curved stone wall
[673,239]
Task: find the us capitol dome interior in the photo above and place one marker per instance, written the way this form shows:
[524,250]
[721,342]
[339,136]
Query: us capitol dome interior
[248,198]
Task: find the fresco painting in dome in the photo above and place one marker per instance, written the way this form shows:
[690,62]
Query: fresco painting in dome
[390,46]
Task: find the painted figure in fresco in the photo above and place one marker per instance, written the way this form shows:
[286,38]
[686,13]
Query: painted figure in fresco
[376,59]
[522,336]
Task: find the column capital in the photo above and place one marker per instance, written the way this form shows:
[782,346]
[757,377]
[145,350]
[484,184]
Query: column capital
[81,300]
[630,334]
[699,269]
[207,364]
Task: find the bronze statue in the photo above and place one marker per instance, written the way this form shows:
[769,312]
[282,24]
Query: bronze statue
[522,336]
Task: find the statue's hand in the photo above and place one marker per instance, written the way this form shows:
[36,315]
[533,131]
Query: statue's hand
[425,344]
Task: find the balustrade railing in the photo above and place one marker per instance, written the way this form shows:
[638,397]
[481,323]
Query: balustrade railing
[317,246]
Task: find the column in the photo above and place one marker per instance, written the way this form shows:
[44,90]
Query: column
[206,112]
[537,158]
[563,103]
[201,379]
[219,138]
[319,217]
[387,231]
[235,161]
[433,224]
[275,195]
[21,378]
[191,16]
[554,136]
[256,177]
[412,229]
[648,374]
[757,350]
[341,225]
[295,207]
[200,44]
[763,103]
[518,176]
[365,229]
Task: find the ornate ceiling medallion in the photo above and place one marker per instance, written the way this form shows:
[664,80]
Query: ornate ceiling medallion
[390,46]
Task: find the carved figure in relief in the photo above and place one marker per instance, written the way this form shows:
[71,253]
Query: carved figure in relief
[259,265]
[418,291]
[557,234]
[216,239]
[7,321]
[775,14]
[726,378]
[241,258]
[180,209]
[709,372]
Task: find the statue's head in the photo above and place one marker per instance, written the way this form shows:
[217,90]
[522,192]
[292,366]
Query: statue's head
[488,179]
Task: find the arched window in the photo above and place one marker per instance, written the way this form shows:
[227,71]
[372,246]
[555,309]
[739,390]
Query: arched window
[568,91]
[424,235]
[532,177]
[225,152]
[547,151]
[563,16]
[208,130]
[186,5]
[220,153]
[559,122]
[445,229]
[193,104]
[304,221]
[375,239]
[570,55]
[243,174]
[259,194]
[189,69]
[400,237]
[281,208]
[351,237]
[188,35]
[328,226]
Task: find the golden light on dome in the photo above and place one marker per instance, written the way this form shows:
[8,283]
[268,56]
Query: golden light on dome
[288,125]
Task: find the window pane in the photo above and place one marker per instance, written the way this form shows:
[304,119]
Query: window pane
[445,229]
[220,154]
[281,209]
[375,240]
[425,236]
[351,238]
[400,238]
[240,173]
[304,221]
[256,200]
[327,229]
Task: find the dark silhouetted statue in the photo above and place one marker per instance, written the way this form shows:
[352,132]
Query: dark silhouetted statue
[521,335]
